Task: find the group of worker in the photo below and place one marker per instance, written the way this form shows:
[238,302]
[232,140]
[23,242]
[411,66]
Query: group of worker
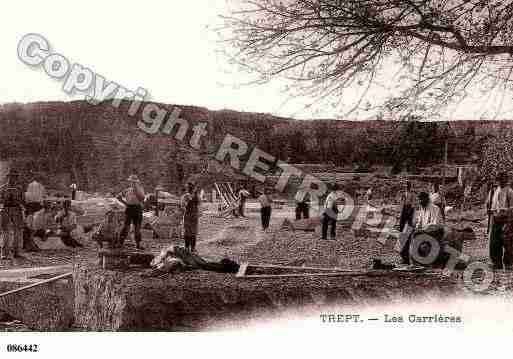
[29,214]
[499,206]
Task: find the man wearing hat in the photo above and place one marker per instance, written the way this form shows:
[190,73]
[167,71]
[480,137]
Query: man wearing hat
[501,251]
[133,198]
[11,218]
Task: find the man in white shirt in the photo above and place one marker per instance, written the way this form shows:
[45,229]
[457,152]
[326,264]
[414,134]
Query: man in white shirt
[302,204]
[438,199]
[501,249]
[426,215]
[330,213]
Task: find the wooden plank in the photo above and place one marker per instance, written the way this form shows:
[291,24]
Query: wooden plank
[299,267]
[225,192]
[221,194]
[232,192]
[242,270]
[229,192]
[337,274]
[46,281]
[228,209]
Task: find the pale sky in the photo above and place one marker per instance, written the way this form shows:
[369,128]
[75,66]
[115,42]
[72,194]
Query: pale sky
[166,47]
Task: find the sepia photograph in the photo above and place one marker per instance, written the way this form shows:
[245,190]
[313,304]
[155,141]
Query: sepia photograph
[327,177]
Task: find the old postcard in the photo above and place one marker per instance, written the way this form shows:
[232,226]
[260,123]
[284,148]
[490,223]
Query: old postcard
[327,177]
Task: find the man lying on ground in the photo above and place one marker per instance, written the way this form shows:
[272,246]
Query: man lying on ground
[67,221]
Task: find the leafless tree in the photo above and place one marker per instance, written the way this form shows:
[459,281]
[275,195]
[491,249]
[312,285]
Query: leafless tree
[424,55]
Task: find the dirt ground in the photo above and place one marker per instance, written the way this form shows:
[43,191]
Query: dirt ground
[243,240]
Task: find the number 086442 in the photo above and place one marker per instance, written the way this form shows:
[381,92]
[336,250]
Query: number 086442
[13,348]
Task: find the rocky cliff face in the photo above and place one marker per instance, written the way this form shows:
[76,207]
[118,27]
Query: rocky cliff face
[97,146]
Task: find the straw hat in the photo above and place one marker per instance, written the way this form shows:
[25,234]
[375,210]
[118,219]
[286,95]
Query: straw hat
[133,178]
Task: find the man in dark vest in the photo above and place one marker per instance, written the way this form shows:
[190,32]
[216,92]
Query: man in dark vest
[11,218]
[190,203]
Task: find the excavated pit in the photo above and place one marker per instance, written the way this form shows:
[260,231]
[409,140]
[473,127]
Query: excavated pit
[197,300]
[45,308]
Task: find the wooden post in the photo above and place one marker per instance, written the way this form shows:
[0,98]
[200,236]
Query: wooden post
[156,202]
[445,164]
[157,190]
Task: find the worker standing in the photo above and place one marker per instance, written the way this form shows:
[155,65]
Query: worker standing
[302,204]
[501,250]
[243,195]
[330,214]
[408,201]
[190,203]
[11,218]
[133,198]
[265,208]
[491,187]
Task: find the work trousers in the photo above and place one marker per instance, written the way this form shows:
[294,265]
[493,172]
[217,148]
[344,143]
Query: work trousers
[302,210]
[11,240]
[32,207]
[501,248]
[133,215]
[328,221]
[242,204]
[265,215]
[406,216]
[405,248]
[190,242]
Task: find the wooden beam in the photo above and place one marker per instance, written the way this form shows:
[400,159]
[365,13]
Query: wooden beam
[292,275]
[242,270]
[299,267]
[46,281]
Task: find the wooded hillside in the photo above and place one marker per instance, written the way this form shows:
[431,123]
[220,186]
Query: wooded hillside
[98,146]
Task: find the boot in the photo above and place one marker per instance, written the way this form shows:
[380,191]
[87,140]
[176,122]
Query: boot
[3,253]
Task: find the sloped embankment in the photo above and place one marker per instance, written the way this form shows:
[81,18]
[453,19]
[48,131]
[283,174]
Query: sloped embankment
[111,301]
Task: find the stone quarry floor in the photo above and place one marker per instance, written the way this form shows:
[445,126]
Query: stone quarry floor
[242,239]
